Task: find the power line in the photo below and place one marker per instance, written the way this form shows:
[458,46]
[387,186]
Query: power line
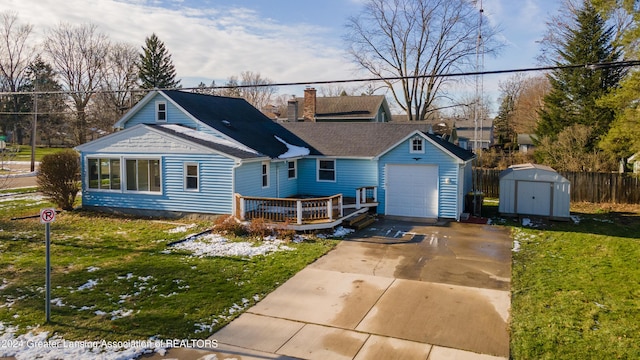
[589,66]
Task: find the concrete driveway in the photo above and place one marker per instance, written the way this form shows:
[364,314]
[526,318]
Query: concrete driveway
[399,290]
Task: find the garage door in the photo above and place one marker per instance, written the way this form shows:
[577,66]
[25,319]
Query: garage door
[534,198]
[412,190]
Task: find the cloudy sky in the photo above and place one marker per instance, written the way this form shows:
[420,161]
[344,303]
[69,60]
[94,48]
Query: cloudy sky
[283,40]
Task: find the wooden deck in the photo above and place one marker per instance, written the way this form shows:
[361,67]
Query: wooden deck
[306,212]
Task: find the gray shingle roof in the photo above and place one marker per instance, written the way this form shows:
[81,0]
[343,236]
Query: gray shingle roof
[344,107]
[363,139]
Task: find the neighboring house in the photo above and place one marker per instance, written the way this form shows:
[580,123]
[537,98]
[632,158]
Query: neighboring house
[472,138]
[634,161]
[311,108]
[180,153]
[525,143]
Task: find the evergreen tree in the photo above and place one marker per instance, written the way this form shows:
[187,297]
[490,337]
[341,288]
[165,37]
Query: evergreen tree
[574,92]
[503,130]
[156,69]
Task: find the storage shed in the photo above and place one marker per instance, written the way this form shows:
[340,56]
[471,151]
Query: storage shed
[531,189]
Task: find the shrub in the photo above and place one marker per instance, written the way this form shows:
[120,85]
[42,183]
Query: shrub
[58,177]
[259,228]
[285,234]
[228,225]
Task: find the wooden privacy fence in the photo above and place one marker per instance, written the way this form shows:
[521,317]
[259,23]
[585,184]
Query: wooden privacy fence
[585,186]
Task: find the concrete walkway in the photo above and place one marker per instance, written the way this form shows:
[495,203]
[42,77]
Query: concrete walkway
[400,290]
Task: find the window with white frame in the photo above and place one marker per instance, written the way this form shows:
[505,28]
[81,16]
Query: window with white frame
[143,175]
[104,173]
[161,111]
[265,174]
[326,170]
[417,145]
[191,176]
[292,169]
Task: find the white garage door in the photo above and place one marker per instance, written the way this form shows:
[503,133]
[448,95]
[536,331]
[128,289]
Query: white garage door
[412,190]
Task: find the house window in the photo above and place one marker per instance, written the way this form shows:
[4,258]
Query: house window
[417,145]
[143,175]
[191,174]
[292,171]
[161,111]
[326,170]
[265,174]
[104,173]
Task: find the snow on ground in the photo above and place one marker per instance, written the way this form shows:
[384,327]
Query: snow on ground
[40,346]
[217,245]
[576,219]
[339,232]
[88,285]
[516,246]
[181,229]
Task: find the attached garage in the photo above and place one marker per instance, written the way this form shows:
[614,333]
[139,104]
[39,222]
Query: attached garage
[531,189]
[412,190]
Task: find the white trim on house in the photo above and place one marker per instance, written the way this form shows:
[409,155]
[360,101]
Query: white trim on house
[334,170]
[419,133]
[294,169]
[161,111]
[265,178]
[416,145]
[187,176]
[123,173]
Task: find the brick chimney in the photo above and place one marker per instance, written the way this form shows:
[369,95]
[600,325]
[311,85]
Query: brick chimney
[309,110]
[292,110]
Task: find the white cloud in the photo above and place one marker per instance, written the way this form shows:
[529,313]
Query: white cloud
[209,43]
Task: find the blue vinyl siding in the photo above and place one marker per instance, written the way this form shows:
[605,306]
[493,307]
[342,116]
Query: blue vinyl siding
[147,114]
[248,179]
[350,175]
[448,201]
[214,195]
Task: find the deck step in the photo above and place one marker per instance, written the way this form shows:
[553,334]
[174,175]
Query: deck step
[356,219]
[362,222]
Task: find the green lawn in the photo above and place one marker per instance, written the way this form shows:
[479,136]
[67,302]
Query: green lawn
[576,287]
[113,278]
[25,153]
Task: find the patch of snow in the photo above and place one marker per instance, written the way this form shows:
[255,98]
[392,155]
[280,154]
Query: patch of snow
[100,313]
[516,246]
[88,285]
[576,219]
[292,150]
[40,346]
[86,308]
[527,222]
[4,284]
[208,137]
[92,268]
[181,229]
[217,245]
[337,233]
[57,302]
[118,314]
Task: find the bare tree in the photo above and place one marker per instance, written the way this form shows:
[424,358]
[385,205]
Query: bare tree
[78,54]
[529,102]
[420,41]
[259,96]
[15,57]
[118,84]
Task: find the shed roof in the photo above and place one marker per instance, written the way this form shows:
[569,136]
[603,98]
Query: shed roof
[532,172]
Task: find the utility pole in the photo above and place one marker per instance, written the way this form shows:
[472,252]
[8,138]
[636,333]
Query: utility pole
[35,124]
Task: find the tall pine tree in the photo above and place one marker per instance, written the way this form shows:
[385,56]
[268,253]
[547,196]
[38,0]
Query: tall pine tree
[155,68]
[574,92]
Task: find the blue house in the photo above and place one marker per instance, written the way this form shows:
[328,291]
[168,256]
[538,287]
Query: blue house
[178,153]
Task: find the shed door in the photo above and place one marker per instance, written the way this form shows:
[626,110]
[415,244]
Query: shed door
[534,198]
[412,190]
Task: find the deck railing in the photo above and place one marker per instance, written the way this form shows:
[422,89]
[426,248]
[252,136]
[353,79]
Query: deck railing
[293,210]
[366,195]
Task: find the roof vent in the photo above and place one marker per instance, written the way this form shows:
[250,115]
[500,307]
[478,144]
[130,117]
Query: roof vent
[226,123]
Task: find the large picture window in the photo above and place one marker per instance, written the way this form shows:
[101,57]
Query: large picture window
[143,175]
[104,173]
[326,170]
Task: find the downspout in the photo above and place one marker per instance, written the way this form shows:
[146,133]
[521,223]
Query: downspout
[233,187]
